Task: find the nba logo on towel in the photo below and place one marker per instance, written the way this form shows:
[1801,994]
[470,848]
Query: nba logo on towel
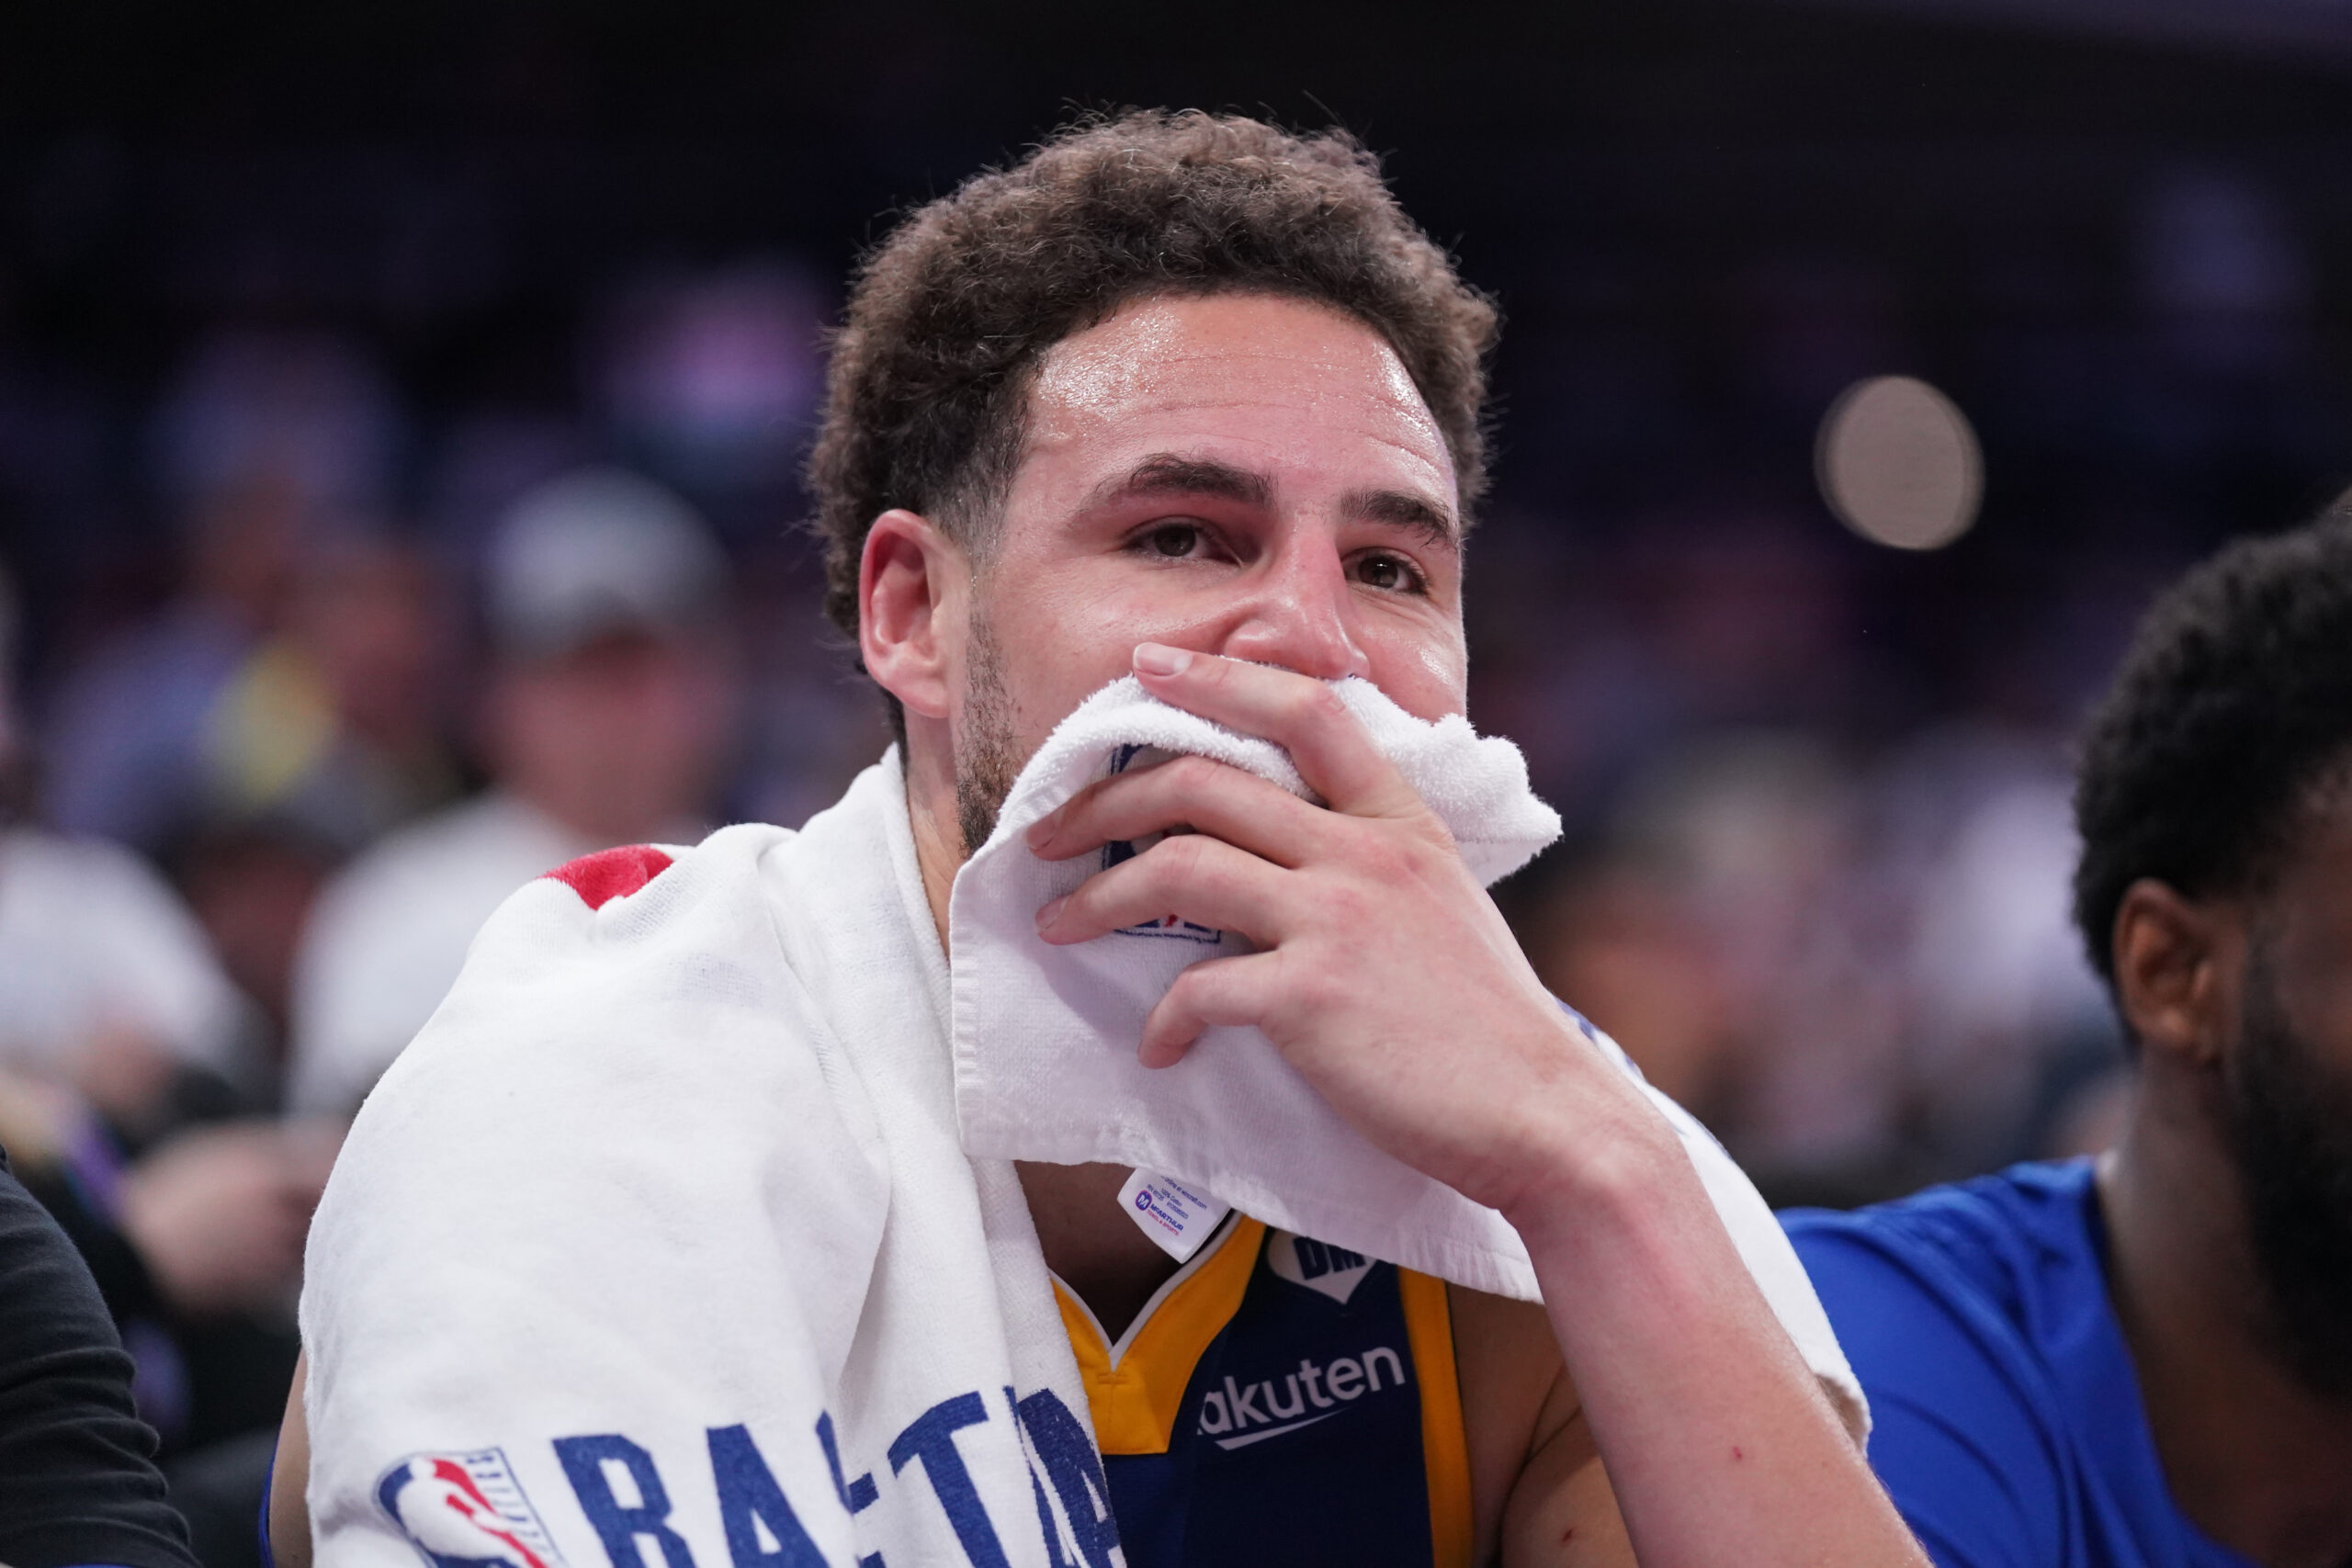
[465,1510]
[1113,854]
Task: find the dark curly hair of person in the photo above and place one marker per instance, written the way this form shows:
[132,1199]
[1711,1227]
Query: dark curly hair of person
[2230,722]
[947,319]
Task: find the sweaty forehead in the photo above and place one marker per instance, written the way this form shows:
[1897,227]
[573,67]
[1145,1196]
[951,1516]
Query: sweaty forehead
[1279,369]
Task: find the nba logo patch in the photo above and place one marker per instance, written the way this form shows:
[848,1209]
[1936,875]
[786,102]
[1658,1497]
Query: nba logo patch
[1133,758]
[465,1510]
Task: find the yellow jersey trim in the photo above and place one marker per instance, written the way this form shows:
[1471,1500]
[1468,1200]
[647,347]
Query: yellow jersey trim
[1135,1402]
[1445,1452]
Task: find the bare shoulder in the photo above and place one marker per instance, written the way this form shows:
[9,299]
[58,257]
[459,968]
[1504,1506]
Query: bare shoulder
[1540,1493]
[1515,1395]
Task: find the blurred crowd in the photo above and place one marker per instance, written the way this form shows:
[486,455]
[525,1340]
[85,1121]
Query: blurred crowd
[255,817]
[364,662]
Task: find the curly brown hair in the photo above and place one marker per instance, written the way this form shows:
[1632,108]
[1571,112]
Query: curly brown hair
[927,393]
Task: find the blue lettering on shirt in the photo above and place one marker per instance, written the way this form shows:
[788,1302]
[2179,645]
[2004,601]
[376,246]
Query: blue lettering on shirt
[931,1438]
[1076,1471]
[855,1495]
[749,1498]
[618,1525]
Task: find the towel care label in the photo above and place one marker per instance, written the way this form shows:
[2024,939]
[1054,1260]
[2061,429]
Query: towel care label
[1171,1213]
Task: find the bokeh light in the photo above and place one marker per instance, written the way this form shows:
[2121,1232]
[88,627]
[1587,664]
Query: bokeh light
[1899,463]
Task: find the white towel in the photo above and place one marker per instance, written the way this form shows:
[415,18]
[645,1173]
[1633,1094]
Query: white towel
[661,1230]
[1046,1036]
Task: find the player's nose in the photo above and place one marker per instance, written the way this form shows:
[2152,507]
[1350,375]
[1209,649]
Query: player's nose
[1300,617]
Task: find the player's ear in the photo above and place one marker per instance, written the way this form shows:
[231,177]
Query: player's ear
[913,587]
[2175,977]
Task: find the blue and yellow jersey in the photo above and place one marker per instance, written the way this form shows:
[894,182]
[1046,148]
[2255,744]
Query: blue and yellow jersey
[1280,1401]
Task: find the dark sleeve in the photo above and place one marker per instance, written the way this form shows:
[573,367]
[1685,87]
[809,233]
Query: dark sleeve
[1958,1432]
[122,1276]
[77,1481]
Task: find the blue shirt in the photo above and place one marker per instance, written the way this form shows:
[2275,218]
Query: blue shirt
[2007,1421]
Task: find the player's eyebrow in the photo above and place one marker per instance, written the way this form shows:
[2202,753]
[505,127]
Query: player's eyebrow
[1168,474]
[1403,509]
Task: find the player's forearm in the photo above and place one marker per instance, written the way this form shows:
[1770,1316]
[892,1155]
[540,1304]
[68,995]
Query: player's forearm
[1720,1447]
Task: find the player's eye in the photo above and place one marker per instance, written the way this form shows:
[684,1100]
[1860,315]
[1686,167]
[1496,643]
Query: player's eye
[1174,541]
[1390,574]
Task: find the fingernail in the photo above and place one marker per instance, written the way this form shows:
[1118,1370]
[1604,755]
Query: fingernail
[1050,911]
[1043,829]
[1155,658]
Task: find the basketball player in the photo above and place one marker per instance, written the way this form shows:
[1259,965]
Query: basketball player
[1189,397]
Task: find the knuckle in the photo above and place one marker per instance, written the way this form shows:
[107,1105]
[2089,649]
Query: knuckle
[1319,989]
[1190,856]
[1381,858]
[1420,859]
[1186,995]
[1084,899]
[1350,904]
[1189,774]
[1317,703]
[1434,840]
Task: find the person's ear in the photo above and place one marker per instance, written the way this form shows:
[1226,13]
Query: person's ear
[912,582]
[2176,972]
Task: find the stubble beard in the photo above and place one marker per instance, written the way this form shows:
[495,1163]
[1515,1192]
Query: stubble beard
[988,751]
[2291,1131]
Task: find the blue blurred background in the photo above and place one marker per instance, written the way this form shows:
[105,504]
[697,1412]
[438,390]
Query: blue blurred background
[331,338]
